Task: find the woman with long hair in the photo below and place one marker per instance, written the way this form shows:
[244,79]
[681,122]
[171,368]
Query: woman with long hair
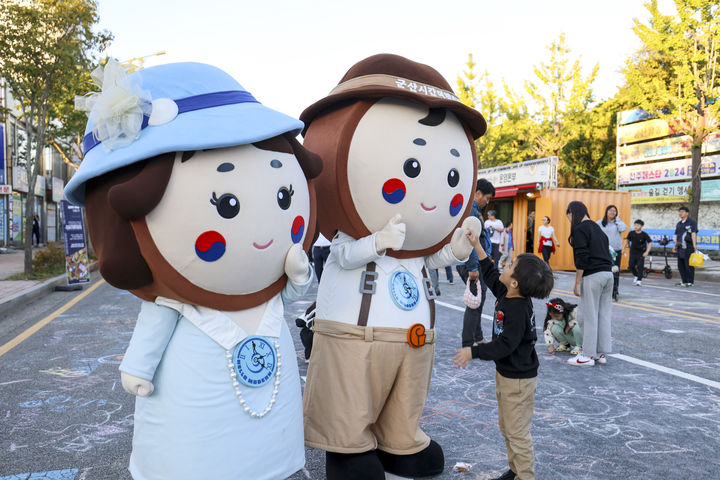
[613,227]
[593,284]
[548,241]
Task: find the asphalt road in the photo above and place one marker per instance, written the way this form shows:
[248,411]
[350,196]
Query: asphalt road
[652,412]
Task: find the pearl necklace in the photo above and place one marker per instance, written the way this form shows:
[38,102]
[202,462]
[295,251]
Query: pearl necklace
[236,384]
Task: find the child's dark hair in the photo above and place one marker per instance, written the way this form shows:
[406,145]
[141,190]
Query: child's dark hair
[558,305]
[533,275]
[640,222]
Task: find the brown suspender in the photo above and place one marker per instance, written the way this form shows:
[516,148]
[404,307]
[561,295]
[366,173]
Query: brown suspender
[367,288]
[430,294]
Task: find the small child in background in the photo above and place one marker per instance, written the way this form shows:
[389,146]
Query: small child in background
[640,244]
[513,350]
[561,325]
[506,247]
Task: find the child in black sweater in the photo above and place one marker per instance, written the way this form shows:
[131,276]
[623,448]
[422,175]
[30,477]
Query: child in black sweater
[513,350]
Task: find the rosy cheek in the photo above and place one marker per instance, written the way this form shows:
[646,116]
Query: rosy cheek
[297,230]
[210,246]
[393,191]
[456,204]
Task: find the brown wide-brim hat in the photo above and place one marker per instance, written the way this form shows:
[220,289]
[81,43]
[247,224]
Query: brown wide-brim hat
[387,75]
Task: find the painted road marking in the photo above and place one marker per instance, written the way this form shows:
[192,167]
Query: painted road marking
[627,358]
[670,371]
[668,309]
[68,474]
[30,331]
[676,289]
[459,309]
[673,331]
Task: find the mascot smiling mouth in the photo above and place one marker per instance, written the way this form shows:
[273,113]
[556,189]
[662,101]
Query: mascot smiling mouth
[262,247]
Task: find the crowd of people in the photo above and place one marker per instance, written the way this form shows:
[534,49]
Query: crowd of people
[583,329]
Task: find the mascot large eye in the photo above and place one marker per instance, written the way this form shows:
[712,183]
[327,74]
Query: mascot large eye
[411,167]
[453,178]
[227,205]
[284,197]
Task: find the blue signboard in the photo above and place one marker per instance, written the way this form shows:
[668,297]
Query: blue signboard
[76,257]
[2,155]
[706,239]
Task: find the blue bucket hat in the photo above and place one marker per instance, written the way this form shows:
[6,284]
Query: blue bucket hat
[168,108]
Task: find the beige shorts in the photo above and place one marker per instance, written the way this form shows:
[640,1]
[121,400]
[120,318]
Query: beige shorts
[366,389]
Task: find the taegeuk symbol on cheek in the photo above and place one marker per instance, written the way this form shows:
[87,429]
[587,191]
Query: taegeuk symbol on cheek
[456,204]
[210,246]
[393,191]
[297,230]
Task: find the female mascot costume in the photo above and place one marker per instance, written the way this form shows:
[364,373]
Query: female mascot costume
[199,201]
[398,178]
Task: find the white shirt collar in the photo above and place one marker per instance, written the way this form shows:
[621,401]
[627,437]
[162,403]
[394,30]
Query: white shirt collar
[221,326]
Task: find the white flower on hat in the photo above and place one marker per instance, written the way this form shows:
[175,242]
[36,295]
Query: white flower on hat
[118,110]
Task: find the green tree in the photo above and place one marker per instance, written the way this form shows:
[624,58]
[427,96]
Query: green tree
[563,97]
[45,46]
[590,150]
[674,74]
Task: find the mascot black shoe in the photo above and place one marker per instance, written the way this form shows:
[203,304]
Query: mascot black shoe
[353,466]
[426,463]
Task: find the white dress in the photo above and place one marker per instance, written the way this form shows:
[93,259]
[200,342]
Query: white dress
[192,426]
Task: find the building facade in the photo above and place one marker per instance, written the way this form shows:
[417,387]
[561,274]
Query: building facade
[14,194]
[654,164]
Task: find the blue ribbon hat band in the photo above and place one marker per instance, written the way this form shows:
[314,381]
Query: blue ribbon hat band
[187,104]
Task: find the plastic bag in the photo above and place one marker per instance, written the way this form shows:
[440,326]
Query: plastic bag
[470,300]
[697,259]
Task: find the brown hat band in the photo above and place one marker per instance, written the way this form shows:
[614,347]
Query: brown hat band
[382,80]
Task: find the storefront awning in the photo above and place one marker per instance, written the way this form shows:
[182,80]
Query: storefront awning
[503,192]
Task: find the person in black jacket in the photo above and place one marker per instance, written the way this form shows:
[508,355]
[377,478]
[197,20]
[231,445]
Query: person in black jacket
[593,284]
[513,350]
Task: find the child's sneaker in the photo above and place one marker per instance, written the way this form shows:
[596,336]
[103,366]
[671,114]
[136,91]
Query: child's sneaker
[601,359]
[575,351]
[639,283]
[561,348]
[581,360]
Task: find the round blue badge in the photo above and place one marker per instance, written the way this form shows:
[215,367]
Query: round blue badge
[255,361]
[404,290]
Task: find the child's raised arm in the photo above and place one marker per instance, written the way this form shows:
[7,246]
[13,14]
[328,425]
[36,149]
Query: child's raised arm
[474,238]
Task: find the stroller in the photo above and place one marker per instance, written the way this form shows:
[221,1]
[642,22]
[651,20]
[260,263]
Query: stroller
[667,271]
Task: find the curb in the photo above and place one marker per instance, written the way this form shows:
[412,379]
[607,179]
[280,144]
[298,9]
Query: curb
[707,276]
[32,293]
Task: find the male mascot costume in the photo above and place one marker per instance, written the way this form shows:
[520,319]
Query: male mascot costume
[198,201]
[398,178]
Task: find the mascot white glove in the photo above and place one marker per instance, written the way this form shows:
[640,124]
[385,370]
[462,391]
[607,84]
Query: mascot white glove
[459,242]
[136,385]
[391,236]
[297,265]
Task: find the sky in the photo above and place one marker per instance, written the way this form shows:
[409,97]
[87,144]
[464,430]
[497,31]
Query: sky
[291,54]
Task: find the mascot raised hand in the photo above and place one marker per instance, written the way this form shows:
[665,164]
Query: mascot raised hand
[398,179]
[199,201]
